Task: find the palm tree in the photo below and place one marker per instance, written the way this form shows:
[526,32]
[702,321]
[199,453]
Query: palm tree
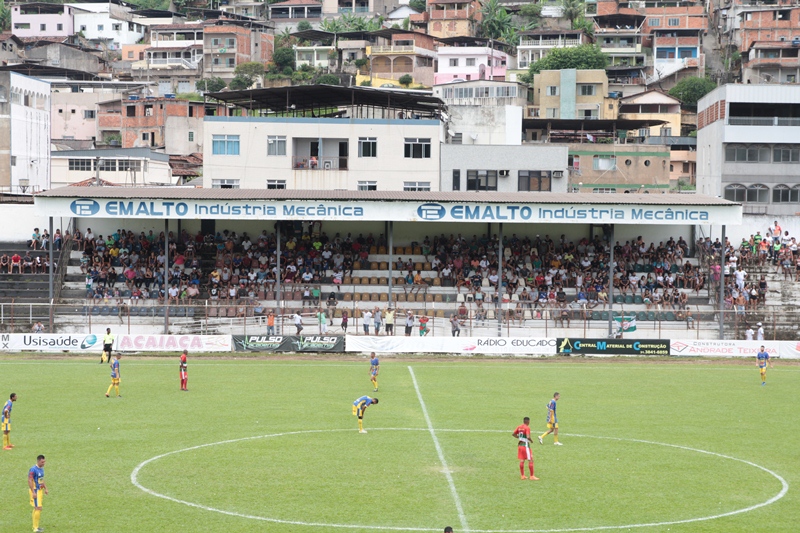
[496,20]
[332,26]
[572,10]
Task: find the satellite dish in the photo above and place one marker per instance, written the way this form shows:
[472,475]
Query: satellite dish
[474,136]
[451,133]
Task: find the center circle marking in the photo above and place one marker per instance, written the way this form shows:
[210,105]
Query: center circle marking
[770,501]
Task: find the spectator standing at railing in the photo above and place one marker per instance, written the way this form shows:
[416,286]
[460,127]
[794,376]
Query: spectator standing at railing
[760,332]
[409,323]
[366,318]
[38,327]
[377,319]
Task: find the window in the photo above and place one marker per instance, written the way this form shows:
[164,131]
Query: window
[673,22]
[588,90]
[533,180]
[146,136]
[276,184]
[130,111]
[747,154]
[481,180]
[735,193]
[100,27]
[551,90]
[231,62]
[457,138]
[108,165]
[116,27]
[124,165]
[456,180]
[231,43]
[786,154]
[417,148]
[552,112]
[83,28]
[367,147]
[666,132]
[782,194]
[13,160]
[22,26]
[215,42]
[604,190]
[421,186]
[191,136]
[604,162]
[148,110]
[470,61]
[225,144]
[454,62]
[60,27]
[367,185]
[276,145]
[80,164]
[654,22]
[224,183]
[42,27]
[130,54]
[88,113]
[758,193]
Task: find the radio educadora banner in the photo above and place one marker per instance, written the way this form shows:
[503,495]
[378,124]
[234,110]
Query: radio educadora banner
[50,342]
[611,347]
[289,343]
[512,346]
[173,343]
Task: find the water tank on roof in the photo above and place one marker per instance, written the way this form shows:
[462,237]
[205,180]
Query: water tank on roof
[133,97]
[170,96]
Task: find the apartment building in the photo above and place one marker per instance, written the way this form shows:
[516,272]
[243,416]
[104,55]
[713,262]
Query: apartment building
[572,94]
[617,167]
[293,11]
[12,49]
[409,53]
[42,19]
[654,106]
[770,44]
[535,44]
[471,58]
[449,18]
[229,43]
[622,38]
[747,146]
[113,166]
[106,25]
[173,60]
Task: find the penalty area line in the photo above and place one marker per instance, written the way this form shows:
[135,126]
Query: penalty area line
[459,508]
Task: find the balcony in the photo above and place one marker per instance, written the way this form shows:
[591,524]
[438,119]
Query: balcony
[378,50]
[319,163]
[450,14]
[358,9]
[549,43]
[764,121]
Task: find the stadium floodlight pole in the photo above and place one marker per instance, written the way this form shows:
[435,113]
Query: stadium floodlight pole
[391,258]
[611,281]
[166,276]
[498,305]
[278,273]
[722,286]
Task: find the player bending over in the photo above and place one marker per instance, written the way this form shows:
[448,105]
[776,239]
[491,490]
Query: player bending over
[359,406]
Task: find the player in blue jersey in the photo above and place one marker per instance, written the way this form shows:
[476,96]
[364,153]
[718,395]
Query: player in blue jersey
[359,406]
[5,421]
[374,369]
[115,376]
[762,360]
[36,490]
[552,421]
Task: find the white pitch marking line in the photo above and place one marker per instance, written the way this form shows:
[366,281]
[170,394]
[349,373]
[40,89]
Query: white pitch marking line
[461,516]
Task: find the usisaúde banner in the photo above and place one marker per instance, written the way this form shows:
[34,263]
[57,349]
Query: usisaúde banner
[611,347]
[727,348]
[289,343]
[51,342]
[173,343]
[510,346]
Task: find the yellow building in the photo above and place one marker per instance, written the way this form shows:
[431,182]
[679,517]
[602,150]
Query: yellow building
[572,94]
[653,105]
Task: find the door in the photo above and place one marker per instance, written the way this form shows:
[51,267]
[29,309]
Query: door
[343,155]
[208,226]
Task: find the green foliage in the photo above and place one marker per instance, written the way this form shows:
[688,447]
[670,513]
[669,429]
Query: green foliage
[251,69]
[287,71]
[332,25]
[693,133]
[240,83]
[194,97]
[582,23]
[690,90]
[584,57]
[5,17]
[283,57]
[495,20]
[361,63]
[329,79]
[531,11]
[366,83]
[572,10]
[418,5]
[284,39]
[303,25]
[405,80]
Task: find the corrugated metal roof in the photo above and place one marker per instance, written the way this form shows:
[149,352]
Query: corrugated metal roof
[389,196]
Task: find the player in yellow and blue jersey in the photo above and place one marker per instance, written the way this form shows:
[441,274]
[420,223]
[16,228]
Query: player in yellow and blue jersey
[359,406]
[552,421]
[115,376]
[374,369]
[5,421]
[36,490]
[762,360]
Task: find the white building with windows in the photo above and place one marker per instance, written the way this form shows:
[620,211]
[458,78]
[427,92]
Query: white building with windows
[748,146]
[377,140]
[116,166]
[108,25]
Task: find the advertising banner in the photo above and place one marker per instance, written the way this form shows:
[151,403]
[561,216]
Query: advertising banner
[732,348]
[514,346]
[289,343]
[612,347]
[173,343]
[788,350]
[50,342]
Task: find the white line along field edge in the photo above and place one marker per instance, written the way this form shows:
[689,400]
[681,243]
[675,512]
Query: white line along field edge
[135,481]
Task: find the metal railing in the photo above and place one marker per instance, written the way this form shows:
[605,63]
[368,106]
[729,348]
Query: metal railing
[319,163]
[550,42]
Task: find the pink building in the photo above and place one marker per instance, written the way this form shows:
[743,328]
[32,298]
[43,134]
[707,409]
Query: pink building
[471,58]
[38,19]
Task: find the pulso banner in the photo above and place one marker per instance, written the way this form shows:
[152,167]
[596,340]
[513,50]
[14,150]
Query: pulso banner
[289,343]
[611,347]
[173,343]
[50,342]
[464,346]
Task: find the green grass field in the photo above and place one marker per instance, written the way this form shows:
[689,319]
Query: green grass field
[289,449]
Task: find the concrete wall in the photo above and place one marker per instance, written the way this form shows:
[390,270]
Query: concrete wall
[25,219]
[489,124]
[29,131]
[62,56]
[636,165]
[68,114]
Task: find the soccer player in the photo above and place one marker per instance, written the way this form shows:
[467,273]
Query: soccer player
[374,368]
[115,375]
[359,406]
[552,421]
[762,360]
[108,342]
[36,486]
[184,375]
[523,436]
[5,421]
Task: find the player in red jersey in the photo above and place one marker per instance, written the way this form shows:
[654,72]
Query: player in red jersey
[523,436]
[184,374]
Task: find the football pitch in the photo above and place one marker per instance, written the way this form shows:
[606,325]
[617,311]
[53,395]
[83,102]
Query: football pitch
[271,444]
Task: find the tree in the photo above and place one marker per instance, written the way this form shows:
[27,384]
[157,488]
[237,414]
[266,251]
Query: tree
[418,5]
[329,79]
[251,69]
[240,83]
[690,90]
[572,10]
[283,57]
[405,80]
[303,25]
[495,20]
[583,57]
[332,25]
[531,11]
[210,85]
[5,17]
